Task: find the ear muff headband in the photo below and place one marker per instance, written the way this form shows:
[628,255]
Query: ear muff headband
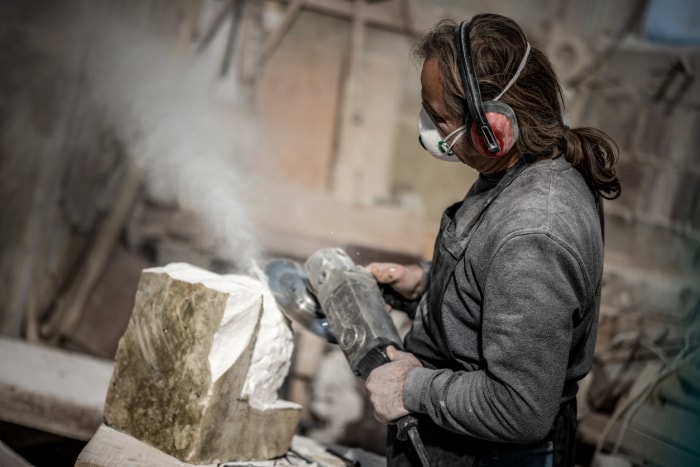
[471,89]
[491,124]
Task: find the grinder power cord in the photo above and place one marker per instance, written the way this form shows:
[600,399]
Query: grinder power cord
[336,299]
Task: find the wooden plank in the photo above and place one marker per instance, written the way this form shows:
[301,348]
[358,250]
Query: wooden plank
[274,39]
[111,448]
[108,308]
[363,169]
[386,15]
[351,108]
[188,29]
[52,390]
[296,101]
[9,458]
[70,305]
[298,223]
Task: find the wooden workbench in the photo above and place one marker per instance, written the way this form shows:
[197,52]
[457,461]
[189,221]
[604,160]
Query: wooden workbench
[111,448]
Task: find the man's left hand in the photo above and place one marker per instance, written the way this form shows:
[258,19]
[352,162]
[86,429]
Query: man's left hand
[385,385]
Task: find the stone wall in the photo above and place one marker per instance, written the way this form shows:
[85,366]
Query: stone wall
[647,99]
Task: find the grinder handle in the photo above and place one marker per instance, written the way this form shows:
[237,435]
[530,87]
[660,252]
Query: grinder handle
[403,424]
[397,301]
[408,430]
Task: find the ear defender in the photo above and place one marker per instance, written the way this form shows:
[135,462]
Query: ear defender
[504,128]
[492,125]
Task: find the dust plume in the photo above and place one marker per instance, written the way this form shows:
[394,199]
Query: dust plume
[189,130]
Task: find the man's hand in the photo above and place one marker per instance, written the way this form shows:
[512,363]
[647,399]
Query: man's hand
[406,280]
[385,385]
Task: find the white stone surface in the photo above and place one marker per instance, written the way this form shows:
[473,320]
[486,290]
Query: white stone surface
[274,346]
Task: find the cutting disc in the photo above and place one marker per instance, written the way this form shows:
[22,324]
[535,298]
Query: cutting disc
[289,284]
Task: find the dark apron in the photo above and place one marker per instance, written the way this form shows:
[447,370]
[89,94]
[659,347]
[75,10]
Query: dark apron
[445,447]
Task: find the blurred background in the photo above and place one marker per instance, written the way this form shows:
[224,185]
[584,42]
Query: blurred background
[136,133]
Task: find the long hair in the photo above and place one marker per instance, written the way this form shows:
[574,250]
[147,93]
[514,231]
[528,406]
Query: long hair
[497,46]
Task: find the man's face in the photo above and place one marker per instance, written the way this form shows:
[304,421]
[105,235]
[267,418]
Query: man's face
[433,96]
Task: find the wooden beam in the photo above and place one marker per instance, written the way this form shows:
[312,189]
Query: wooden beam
[384,15]
[111,448]
[188,30]
[216,24]
[345,184]
[298,223]
[52,390]
[362,170]
[274,39]
[70,305]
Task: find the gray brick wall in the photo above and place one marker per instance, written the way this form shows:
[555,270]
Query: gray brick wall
[647,98]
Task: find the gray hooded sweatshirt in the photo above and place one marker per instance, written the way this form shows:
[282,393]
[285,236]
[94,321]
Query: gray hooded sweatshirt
[508,323]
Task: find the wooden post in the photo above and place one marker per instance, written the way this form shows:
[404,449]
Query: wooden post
[273,40]
[365,132]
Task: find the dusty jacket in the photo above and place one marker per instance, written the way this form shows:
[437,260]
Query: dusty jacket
[511,326]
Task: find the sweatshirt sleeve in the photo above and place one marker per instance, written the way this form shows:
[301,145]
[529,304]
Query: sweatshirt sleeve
[532,289]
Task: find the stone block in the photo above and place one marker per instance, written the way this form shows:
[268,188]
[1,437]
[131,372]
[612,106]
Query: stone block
[651,244]
[634,178]
[598,21]
[683,137]
[652,139]
[669,137]
[638,71]
[661,197]
[687,200]
[614,113]
[692,96]
[199,366]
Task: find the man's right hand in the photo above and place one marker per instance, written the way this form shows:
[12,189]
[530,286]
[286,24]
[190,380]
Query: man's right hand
[405,280]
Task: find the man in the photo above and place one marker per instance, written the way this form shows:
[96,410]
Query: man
[508,310]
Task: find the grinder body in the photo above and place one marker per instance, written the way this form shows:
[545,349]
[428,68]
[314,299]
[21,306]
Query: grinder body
[352,302]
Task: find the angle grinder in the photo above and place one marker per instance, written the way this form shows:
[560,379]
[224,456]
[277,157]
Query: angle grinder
[336,299]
